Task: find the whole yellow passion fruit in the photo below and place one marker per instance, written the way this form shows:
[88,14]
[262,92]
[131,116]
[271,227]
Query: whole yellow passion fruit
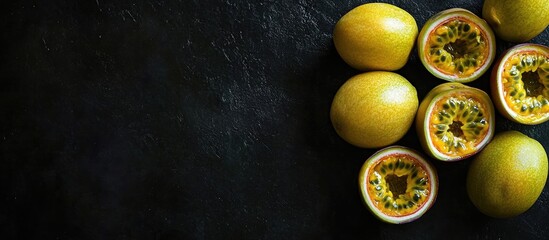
[375,36]
[508,176]
[374,109]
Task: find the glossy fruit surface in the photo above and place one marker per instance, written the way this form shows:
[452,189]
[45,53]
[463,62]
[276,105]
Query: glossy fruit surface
[508,176]
[398,185]
[374,109]
[516,20]
[456,45]
[520,84]
[375,36]
[455,121]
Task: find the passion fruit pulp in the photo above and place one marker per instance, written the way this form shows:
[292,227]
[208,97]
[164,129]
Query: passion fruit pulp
[456,45]
[520,84]
[455,121]
[398,185]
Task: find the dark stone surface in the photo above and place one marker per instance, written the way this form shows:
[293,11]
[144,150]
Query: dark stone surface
[202,120]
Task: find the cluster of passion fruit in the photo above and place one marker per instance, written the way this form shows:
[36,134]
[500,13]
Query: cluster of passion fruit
[454,121]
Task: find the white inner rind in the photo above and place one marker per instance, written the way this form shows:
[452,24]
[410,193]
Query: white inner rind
[373,160]
[440,155]
[454,13]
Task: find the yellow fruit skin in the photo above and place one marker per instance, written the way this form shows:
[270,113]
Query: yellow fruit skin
[375,36]
[374,109]
[516,20]
[508,176]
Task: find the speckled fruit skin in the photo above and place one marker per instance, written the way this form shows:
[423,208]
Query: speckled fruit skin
[375,36]
[426,104]
[363,184]
[496,87]
[516,20]
[508,176]
[438,18]
[374,109]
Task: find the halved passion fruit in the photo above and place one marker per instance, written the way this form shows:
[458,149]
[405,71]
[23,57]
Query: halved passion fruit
[520,84]
[455,121]
[456,45]
[398,185]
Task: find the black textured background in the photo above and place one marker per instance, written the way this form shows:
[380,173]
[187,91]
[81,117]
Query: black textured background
[202,120]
